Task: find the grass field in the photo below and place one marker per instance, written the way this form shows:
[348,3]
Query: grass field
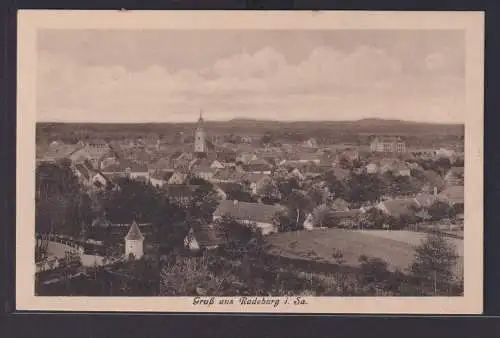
[395,247]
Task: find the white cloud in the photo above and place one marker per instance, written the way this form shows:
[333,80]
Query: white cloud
[328,84]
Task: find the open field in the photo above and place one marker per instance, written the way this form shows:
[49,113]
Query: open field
[412,238]
[394,247]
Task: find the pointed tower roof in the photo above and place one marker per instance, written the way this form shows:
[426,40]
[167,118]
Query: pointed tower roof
[201,121]
[134,234]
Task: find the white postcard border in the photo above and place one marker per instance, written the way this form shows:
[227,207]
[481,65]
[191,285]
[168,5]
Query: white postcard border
[29,21]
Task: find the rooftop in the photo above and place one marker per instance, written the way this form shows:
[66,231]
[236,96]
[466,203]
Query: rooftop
[134,234]
[254,212]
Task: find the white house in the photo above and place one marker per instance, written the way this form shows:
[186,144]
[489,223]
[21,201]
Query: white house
[261,215]
[202,237]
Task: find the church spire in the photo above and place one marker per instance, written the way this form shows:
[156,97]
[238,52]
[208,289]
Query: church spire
[200,120]
[200,146]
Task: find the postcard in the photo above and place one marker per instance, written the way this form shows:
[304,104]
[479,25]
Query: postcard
[250,162]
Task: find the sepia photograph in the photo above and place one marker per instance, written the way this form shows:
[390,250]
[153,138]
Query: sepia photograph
[270,162]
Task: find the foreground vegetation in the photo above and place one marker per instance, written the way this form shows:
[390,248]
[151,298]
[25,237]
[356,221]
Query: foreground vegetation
[244,267]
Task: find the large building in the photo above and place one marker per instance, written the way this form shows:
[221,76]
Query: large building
[200,137]
[388,145]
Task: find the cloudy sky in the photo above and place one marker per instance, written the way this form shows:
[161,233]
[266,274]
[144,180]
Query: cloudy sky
[168,76]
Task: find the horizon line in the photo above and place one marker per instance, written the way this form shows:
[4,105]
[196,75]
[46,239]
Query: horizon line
[254,120]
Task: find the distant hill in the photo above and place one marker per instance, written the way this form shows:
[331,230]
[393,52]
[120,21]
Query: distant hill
[328,131]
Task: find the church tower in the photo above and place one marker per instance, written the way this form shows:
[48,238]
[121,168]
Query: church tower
[200,142]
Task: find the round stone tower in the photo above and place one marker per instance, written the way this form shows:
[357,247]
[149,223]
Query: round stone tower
[134,242]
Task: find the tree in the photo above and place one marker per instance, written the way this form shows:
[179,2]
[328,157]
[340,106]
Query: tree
[338,256]
[266,139]
[335,186]
[236,235]
[169,224]
[317,194]
[376,218]
[60,205]
[435,260]
[364,187]
[439,210]
[134,200]
[322,216]
[270,192]
[204,202]
[299,204]
[374,273]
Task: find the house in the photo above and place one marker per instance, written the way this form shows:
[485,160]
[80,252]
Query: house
[180,194]
[231,189]
[433,180]
[448,153]
[258,166]
[339,204]
[59,151]
[226,156]
[350,154]
[305,157]
[93,151]
[423,152]
[388,165]
[455,176]
[246,157]
[116,169]
[109,160]
[401,169]
[454,195]
[182,160]
[178,177]
[347,219]
[261,215]
[89,177]
[310,143]
[399,207]
[372,168]
[160,178]
[204,172]
[216,164]
[202,237]
[295,172]
[162,164]
[425,200]
[388,144]
[138,171]
[228,175]
[255,182]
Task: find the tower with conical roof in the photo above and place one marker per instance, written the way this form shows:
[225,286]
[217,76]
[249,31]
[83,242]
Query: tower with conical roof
[134,242]
[200,137]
